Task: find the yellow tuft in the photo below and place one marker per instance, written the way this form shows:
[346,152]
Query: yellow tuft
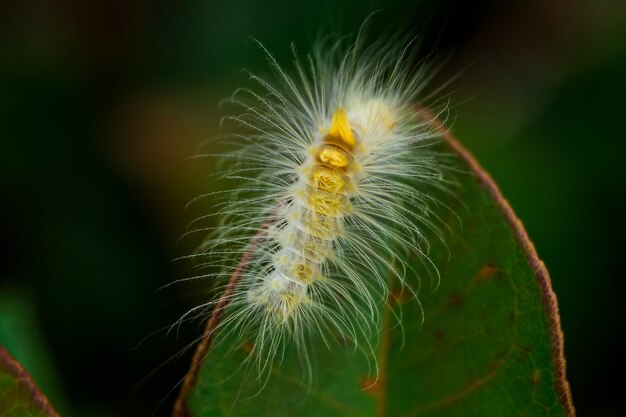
[304,272]
[288,305]
[333,156]
[325,203]
[314,251]
[340,127]
[327,180]
[323,227]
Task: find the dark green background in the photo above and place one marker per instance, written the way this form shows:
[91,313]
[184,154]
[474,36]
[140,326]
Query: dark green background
[101,103]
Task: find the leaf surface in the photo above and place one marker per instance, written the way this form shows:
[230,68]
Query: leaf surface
[490,343]
[19,395]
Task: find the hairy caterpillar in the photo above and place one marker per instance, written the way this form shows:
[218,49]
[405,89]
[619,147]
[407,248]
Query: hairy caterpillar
[328,200]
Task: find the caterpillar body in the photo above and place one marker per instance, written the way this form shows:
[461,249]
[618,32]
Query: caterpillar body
[330,199]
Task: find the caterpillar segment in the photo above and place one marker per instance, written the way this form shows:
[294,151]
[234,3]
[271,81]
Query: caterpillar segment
[311,223]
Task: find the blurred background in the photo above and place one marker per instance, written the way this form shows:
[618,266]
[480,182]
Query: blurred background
[102,103]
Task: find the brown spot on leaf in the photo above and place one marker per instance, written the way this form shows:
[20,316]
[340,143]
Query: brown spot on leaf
[536,376]
[512,317]
[439,335]
[247,346]
[398,295]
[522,354]
[456,300]
[485,274]
[368,384]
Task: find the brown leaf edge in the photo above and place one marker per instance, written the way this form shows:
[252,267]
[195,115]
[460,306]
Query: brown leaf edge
[541,272]
[543,279]
[180,406]
[13,367]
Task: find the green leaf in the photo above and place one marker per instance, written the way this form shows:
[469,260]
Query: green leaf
[21,335]
[490,344]
[19,396]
